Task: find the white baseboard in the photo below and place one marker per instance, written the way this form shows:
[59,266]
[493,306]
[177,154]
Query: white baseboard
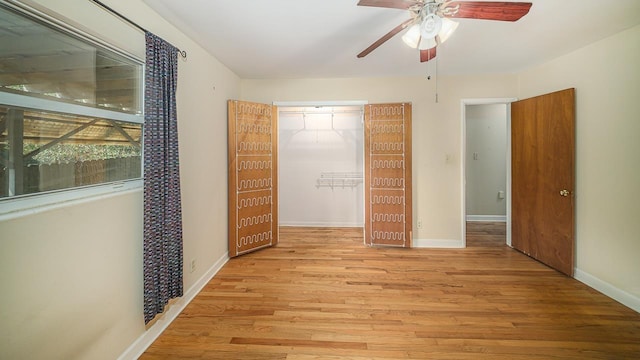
[489,218]
[148,337]
[437,243]
[611,291]
[319,224]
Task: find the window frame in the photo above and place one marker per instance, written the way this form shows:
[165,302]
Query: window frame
[17,206]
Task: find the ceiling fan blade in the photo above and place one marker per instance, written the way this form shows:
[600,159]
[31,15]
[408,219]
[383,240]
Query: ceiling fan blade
[386,37]
[394,4]
[490,10]
[426,55]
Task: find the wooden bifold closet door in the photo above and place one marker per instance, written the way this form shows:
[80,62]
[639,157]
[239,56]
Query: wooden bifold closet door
[253,176]
[387,166]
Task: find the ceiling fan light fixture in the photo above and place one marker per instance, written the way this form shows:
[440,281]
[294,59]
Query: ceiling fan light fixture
[412,36]
[448,27]
[427,43]
[430,26]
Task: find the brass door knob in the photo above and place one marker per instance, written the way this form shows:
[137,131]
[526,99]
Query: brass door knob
[564,193]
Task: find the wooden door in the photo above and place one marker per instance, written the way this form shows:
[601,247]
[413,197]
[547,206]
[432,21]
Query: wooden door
[387,166]
[253,180]
[543,143]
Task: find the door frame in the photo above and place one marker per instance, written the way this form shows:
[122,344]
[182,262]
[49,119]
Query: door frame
[463,160]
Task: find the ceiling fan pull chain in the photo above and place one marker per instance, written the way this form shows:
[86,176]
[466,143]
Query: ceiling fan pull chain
[437,79]
[436,76]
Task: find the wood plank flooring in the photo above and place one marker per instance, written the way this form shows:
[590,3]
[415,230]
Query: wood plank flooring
[321,294]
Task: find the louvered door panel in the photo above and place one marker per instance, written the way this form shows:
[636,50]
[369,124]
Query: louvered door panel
[388,220]
[253,196]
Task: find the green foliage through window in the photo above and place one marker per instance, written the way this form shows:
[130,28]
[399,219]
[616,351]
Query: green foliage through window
[71,153]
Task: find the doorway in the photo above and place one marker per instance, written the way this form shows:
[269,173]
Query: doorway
[486,164]
[321,160]
[376,162]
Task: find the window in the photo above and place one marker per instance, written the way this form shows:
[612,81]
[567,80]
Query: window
[70,108]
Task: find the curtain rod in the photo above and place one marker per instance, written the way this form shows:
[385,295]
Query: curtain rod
[124,18]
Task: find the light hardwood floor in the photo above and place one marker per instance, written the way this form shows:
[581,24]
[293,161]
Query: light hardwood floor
[321,294]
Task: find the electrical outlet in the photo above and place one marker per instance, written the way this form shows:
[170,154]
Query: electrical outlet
[419,224]
[193,265]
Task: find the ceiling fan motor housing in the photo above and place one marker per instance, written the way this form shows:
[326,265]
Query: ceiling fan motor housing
[430,26]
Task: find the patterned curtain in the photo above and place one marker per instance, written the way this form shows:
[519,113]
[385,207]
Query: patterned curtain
[162,208]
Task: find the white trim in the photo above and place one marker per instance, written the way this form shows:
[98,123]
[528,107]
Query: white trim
[16,207]
[438,243]
[319,224]
[608,289]
[508,167]
[148,337]
[488,101]
[463,174]
[320,103]
[32,102]
[487,218]
[463,149]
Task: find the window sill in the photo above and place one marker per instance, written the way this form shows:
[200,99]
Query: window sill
[11,208]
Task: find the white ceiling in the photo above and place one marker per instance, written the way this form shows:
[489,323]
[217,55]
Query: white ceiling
[321,38]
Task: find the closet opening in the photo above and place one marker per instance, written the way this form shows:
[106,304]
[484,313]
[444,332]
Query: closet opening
[320,165]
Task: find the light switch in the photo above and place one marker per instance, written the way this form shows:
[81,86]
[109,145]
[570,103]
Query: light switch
[500,194]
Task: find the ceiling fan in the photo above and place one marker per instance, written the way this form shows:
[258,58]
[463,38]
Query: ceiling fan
[429,24]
